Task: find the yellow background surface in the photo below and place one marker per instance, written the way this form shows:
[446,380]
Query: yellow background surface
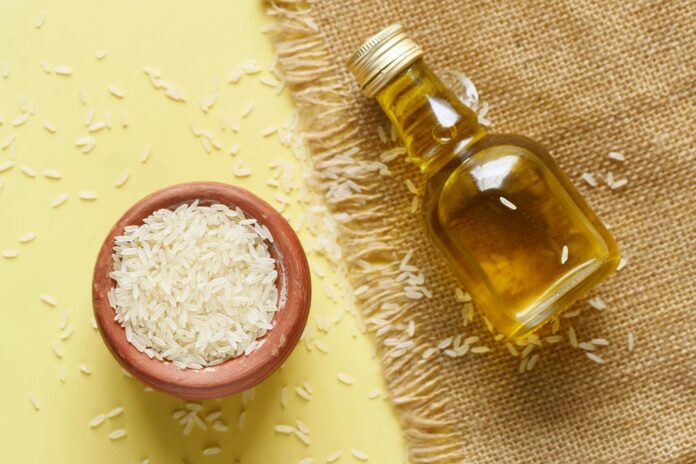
[193,44]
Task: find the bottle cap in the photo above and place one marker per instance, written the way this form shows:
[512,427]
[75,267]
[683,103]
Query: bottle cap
[381,57]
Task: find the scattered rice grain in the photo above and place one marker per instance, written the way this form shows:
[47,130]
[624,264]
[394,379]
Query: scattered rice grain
[88,195]
[507,203]
[586,346]
[619,183]
[117,411]
[28,171]
[27,237]
[302,427]
[597,303]
[49,126]
[283,428]
[48,299]
[302,393]
[480,349]
[52,174]
[284,397]
[246,110]
[616,156]
[116,91]
[40,19]
[7,143]
[97,421]
[57,350]
[122,179]
[146,153]
[96,126]
[532,361]
[572,337]
[59,200]
[302,437]
[63,70]
[589,179]
[622,263]
[118,433]
[212,451]
[360,455]
[21,119]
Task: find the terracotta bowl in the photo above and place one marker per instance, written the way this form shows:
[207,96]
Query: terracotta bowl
[236,374]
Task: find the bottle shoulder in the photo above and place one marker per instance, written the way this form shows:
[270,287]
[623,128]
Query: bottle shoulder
[494,146]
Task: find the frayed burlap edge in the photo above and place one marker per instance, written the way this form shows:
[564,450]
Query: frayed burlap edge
[348,180]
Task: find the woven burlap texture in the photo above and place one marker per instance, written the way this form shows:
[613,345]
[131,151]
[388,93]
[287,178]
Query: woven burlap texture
[584,78]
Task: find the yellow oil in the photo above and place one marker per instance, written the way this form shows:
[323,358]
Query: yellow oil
[512,227]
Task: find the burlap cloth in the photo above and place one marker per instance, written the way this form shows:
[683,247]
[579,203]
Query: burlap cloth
[584,78]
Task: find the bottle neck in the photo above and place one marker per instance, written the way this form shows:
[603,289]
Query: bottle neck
[433,124]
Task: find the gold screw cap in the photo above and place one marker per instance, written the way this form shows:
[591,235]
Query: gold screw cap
[381,57]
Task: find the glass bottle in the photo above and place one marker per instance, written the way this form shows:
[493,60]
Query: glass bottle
[512,227]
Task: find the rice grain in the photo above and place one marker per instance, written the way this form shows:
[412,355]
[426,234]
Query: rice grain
[40,19]
[285,429]
[52,174]
[146,153]
[49,126]
[572,337]
[507,203]
[211,451]
[59,200]
[97,421]
[284,397]
[359,455]
[117,411]
[36,404]
[48,299]
[88,195]
[345,378]
[27,237]
[118,433]
[28,171]
[116,91]
[6,165]
[616,156]
[63,70]
[122,179]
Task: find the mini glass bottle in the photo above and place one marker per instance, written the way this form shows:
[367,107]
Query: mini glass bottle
[512,227]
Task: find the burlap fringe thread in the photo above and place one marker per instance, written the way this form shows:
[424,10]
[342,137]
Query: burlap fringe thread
[349,186]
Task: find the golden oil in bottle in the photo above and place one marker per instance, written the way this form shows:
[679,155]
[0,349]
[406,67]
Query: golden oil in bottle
[512,227]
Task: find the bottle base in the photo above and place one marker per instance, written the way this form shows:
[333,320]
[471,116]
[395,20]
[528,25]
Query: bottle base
[560,298]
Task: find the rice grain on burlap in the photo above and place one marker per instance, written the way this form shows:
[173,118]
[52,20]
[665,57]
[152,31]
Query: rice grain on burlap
[584,78]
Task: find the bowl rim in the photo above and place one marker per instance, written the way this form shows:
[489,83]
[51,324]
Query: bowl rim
[235,374]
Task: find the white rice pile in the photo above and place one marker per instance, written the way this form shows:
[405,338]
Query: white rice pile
[195,286]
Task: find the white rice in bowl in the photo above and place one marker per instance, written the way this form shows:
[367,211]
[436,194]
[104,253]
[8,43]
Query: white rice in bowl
[195,285]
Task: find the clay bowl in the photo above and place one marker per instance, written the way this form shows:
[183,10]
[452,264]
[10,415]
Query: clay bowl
[236,374]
